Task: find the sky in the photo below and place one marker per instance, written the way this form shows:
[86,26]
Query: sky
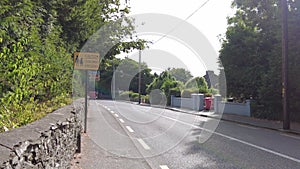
[210,20]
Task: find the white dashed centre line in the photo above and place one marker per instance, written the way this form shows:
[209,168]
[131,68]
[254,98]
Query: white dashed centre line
[145,146]
[129,129]
[116,115]
[164,167]
[122,121]
[112,112]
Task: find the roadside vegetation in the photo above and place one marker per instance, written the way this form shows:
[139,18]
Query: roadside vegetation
[251,61]
[37,40]
[252,58]
[173,81]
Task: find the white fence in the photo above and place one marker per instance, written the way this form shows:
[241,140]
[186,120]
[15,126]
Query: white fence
[193,103]
[196,102]
[242,109]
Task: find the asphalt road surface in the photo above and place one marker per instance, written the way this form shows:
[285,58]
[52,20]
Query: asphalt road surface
[135,137]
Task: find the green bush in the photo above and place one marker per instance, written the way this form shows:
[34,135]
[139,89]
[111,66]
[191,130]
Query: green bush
[125,95]
[145,99]
[134,97]
[213,91]
[186,93]
[175,92]
[129,96]
[36,42]
[16,115]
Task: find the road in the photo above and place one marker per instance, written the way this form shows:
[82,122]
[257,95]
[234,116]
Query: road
[126,135]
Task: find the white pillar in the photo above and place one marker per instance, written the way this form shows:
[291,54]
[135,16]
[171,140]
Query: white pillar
[172,101]
[248,107]
[217,100]
[198,101]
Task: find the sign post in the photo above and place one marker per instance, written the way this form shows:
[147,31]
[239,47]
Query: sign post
[85,101]
[86,61]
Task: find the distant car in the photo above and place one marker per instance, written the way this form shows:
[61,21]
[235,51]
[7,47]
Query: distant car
[93,94]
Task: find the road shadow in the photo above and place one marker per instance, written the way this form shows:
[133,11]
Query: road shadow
[209,154]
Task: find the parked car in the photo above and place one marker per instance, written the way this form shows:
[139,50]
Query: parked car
[93,94]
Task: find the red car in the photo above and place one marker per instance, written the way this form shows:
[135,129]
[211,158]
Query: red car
[93,94]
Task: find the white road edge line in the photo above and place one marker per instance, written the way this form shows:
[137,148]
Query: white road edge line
[145,146]
[122,121]
[116,115]
[249,127]
[291,136]
[237,140]
[164,167]
[129,129]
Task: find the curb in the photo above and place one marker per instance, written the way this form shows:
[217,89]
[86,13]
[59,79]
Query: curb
[229,120]
[239,122]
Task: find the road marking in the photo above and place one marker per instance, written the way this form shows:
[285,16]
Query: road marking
[291,136]
[145,146]
[116,115]
[249,127]
[112,112]
[237,140]
[129,129]
[108,109]
[122,121]
[164,167]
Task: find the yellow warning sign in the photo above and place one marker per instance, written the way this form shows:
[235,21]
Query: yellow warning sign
[86,61]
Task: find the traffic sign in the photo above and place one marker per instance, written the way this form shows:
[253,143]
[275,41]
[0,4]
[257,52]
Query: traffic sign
[86,61]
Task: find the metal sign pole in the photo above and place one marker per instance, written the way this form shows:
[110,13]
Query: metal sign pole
[140,55]
[86,99]
[86,61]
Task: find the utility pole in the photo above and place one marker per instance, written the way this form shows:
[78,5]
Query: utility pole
[285,89]
[114,83]
[140,56]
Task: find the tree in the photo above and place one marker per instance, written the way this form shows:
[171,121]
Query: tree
[180,74]
[167,84]
[195,85]
[251,53]
[294,60]
[126,75]
[36,41]
[33,80]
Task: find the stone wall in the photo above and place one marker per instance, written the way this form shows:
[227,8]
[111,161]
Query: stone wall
[50,142]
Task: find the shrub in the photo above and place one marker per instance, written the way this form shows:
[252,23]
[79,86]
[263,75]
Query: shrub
[145,98]
[129,96]
[187,92]
[134,97]
[125,95]
[175,92]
